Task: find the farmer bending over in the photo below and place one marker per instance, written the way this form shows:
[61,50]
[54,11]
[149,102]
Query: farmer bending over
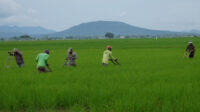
[71,58]
[107,56]
[190,50]
[18,57]
[41,60]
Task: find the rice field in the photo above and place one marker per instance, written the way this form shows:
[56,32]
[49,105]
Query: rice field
[153,77]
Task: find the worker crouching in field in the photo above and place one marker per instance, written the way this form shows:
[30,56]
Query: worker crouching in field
[107,56]
[18,57]
[190,50]
[71,58]
[42,63]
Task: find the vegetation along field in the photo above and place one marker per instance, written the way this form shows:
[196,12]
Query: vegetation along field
[153,77]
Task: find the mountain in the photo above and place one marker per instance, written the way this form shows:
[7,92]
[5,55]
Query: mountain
[90,29]
[99,28]
[195,31]
[11,31]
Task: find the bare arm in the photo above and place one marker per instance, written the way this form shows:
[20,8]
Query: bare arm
[112,57]
[37,59]
[74,56]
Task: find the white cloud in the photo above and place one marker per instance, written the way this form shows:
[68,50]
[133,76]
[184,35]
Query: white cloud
[123,14]
[8,8]
[13,13]
[61,14]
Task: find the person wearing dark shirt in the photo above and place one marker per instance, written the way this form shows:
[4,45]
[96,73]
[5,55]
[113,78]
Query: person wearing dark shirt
[18,57]
[190,50]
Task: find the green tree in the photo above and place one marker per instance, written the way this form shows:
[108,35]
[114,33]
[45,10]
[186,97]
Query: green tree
[25,37]
[15,38]
[109,35]
[69,37]
[2,39]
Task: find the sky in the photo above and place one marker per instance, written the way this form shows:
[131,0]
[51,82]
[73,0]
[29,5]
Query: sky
[173,15]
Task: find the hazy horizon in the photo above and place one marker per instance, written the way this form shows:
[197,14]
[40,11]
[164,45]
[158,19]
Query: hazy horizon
[171,15]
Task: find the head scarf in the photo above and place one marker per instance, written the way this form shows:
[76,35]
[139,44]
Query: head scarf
[15,50]
[69,50]
[46,51]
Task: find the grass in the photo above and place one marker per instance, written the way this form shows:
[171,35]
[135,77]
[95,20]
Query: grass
[153,77]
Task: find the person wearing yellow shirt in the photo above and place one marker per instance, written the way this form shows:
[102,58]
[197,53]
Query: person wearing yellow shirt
[107,56]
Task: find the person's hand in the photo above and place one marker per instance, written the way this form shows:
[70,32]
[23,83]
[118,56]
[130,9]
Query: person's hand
[71,57]
[10,53]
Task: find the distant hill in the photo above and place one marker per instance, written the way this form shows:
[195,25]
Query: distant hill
[11,31]
[195,31]
[99,28]
[90,29]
